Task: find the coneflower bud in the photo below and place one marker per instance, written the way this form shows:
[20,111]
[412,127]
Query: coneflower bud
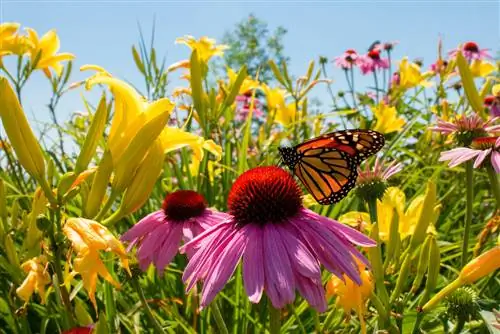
[461,305]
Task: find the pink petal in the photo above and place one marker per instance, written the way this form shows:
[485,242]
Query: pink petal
[253,264]
[481,157]
[301,258]
[351,234]
[313,291]
[212,217]
[203,237]
[224,267]
[280,285]
[153,241]
[495,161]
[169,248]
[199,265]
[144,226]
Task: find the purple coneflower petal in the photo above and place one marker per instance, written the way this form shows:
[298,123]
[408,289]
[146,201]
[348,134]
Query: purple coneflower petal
[253,264]
[219,273]
[150,244]
[480,157]
[458,155]
[303,260]
[495,161]
[169,247]
[211,217]
[144,226]
[312,291]
[279,281]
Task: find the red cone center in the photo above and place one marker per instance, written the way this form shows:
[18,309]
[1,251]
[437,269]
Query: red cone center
[184,204]
[471,46]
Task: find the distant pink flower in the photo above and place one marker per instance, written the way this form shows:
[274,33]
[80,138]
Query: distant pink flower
[471,51]
[487,146]
[347,60]
[243,104]
[439,66]
[493,104]
[379,171]
[372,62]
[389,46]
[281,244]
[183,216]
[396,79]
[463,124]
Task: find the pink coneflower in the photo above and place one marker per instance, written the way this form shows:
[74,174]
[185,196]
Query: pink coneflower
[482,148]
[492,102]
[389,46]
[243,104]
[184,215]
[281,244]
[439,66]
[347,60]
[80,330]
[471,51]
[372,183]
[372,61]
[396,79]
[465,128]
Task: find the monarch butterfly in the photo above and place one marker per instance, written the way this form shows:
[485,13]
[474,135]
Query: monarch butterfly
[327,164]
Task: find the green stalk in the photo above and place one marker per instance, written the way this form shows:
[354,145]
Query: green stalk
[495,187]
[375,255]
[146,307]
[238,288]
[109,298]
[274,319]
[459,326]
[218,318]
[468,213]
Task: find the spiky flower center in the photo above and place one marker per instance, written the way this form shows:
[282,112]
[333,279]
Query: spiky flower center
[264,195]
[184,204]
[351,55]
[471,47]
[374,54]
[484,143]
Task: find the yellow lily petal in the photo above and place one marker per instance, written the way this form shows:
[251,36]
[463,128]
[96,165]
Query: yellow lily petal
[7,29]
[480,68]
[387,119]
[173,139]
[36,280]
[496,90]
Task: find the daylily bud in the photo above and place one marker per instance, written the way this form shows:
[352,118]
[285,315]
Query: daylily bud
[144,180]
[468,83]
[94,134]
[19,132]
[99,185]
[481,266]
[423,261]
[3,208]
[34,235]
[11,251]
[426,216]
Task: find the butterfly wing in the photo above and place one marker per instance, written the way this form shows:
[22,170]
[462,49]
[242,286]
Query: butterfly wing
[358,143]
[327,173]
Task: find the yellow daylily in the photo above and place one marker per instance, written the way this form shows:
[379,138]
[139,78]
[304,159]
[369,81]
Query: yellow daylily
[173,139]
[11,42]
[8,29]
[410,75]
[205,46]
[393,202]
[88,238]
[495,90]
[248,84]
[387,118]
[481,68]
[45,50]
[37,278]
[350,295]
[284,113]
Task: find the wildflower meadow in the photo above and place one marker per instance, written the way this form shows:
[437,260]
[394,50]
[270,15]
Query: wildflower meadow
[235,203]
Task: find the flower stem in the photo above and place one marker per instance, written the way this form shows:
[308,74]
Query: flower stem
[375,255]
[218,318]
[459,326]
[274,319]
[495,187]
[468,212]
[145,304]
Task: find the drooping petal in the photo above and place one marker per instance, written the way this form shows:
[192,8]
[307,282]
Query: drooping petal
[169,247]
[480,158]
[312,290]
[495,161]
[144,226]
[253,264]
[212,217]
[222,270]
[152,242]
[279,280]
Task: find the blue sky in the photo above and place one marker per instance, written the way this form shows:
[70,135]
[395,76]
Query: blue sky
[102,32]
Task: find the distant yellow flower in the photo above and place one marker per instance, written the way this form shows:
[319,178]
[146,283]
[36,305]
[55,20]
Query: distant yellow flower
[410,75]
[37,278]
[350,295]
[45,50]
[481,68]
[248,84]
[88,238]
[173,139]
[205,46]
[8,29]
[387,119]
[283,113]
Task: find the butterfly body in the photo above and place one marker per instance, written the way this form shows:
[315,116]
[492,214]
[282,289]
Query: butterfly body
[327,164]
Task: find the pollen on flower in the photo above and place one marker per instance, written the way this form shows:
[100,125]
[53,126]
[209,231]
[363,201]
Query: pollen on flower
[184,204]
[264,195]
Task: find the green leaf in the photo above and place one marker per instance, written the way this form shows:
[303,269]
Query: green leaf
[196,86]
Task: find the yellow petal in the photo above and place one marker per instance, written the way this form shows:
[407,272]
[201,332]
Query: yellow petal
[496,90]
[7,29]
[49,44]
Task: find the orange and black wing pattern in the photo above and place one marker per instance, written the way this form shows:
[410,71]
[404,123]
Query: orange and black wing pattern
[327,165]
